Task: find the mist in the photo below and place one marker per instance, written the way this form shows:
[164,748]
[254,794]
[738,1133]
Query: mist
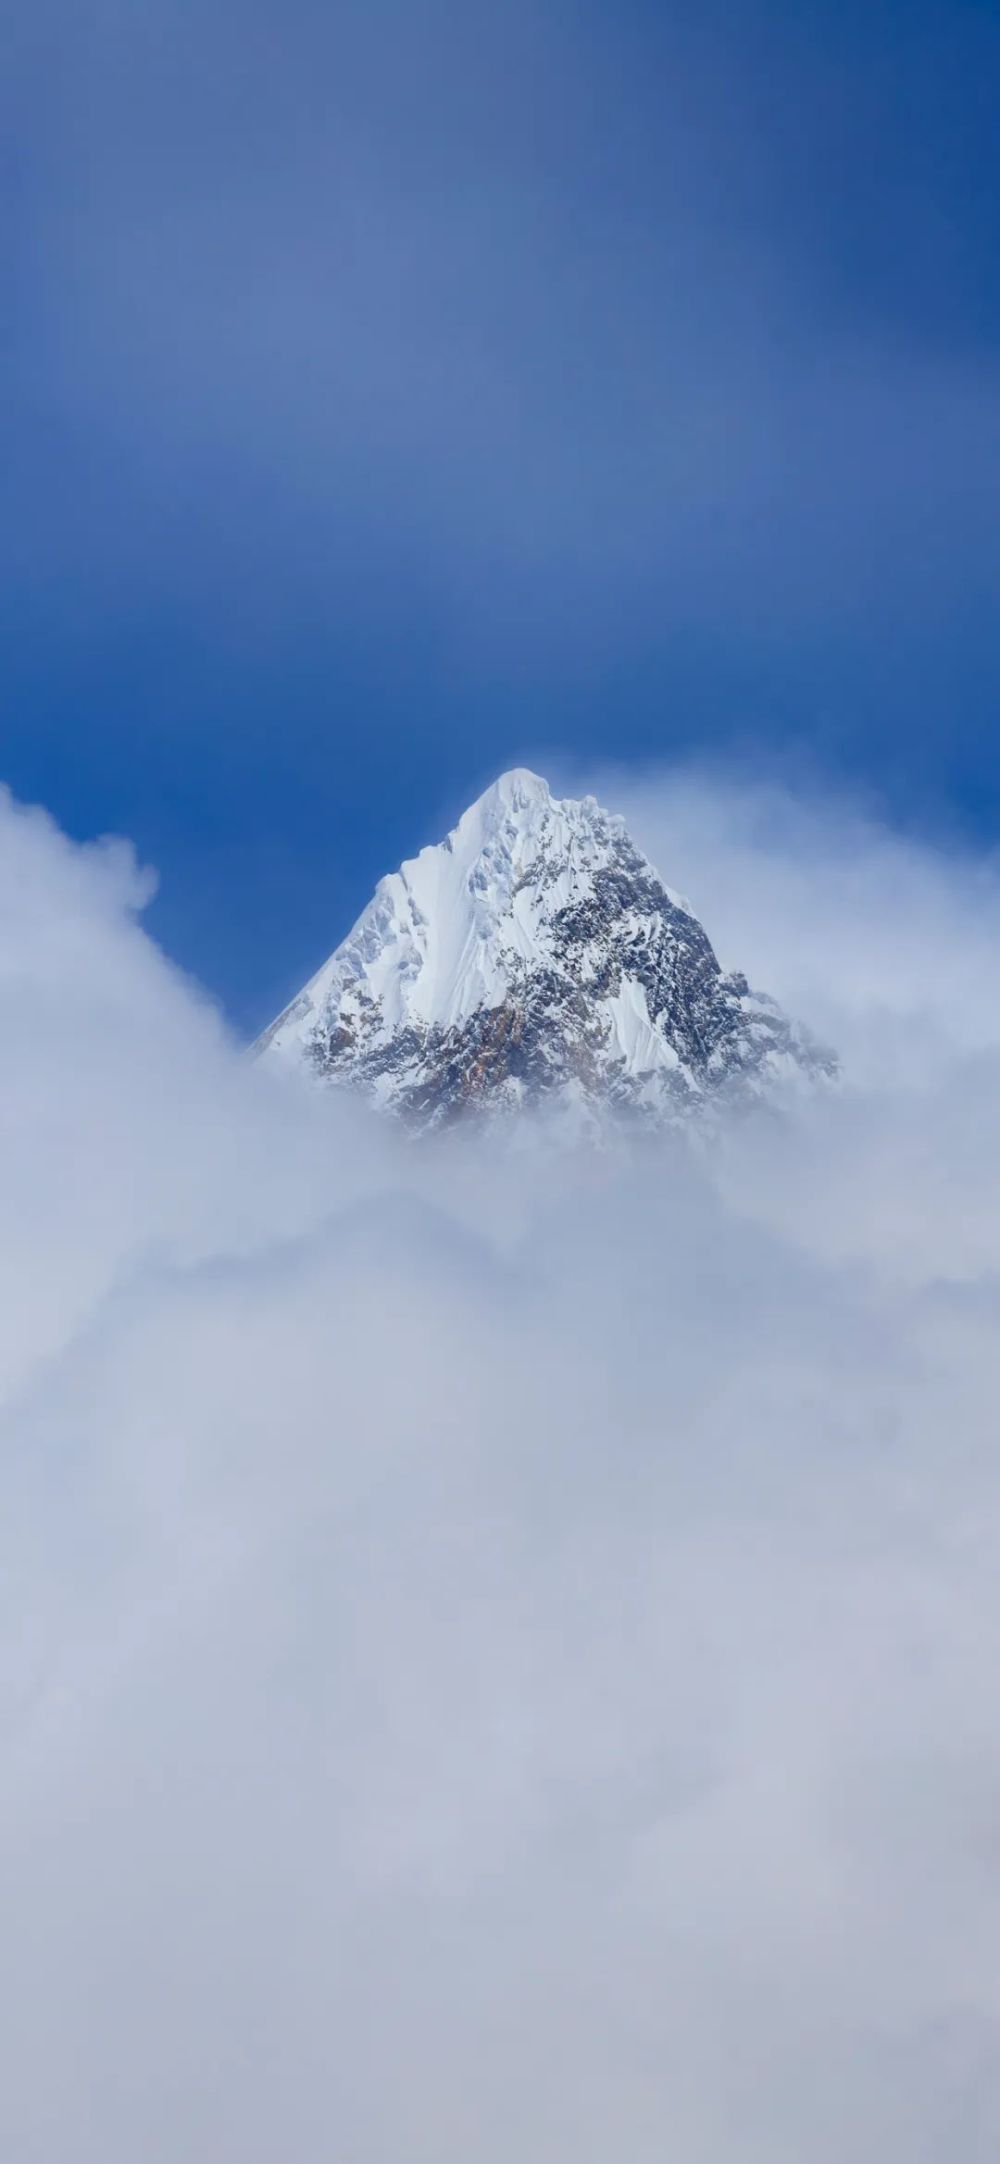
[499,1646]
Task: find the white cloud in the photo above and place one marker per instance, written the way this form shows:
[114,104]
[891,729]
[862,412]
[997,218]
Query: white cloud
[499,1662]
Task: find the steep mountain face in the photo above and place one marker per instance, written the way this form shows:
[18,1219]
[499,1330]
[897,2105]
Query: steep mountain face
[534,957]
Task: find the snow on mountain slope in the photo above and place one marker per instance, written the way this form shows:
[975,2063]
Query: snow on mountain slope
[535,956]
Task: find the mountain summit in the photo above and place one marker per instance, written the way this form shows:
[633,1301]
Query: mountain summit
[535,957]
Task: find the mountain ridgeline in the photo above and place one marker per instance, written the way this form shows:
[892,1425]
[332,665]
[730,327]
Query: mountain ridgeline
[535,959]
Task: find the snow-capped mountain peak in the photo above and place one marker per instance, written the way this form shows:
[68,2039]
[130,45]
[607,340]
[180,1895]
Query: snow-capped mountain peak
[534,954]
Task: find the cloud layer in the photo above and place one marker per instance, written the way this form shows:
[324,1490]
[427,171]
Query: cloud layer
[498,1657]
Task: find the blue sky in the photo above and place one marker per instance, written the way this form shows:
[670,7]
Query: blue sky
[399,392]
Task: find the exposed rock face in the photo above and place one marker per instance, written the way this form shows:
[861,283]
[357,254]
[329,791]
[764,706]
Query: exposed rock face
[535,958]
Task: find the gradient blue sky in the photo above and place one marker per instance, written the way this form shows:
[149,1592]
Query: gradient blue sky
[395,392]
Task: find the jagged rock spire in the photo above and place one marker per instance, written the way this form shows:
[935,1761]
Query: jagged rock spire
[535,956]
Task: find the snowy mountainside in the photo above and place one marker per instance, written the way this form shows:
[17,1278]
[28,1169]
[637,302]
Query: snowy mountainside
[535,956]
